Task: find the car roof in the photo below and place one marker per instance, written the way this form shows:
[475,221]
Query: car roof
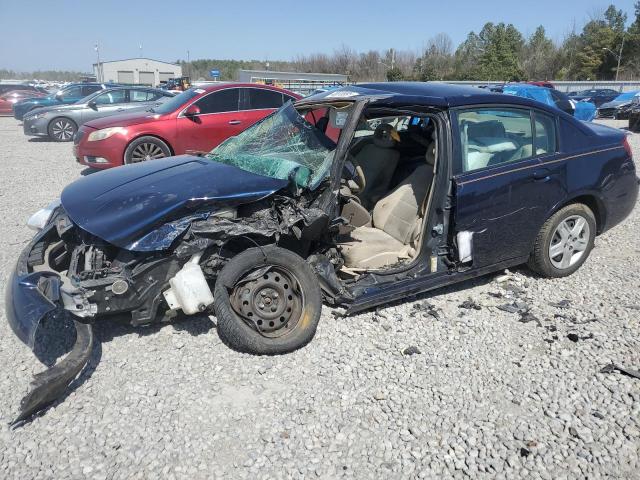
[220,85]
[435,94]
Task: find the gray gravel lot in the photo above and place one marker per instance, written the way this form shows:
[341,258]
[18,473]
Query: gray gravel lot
[488,396]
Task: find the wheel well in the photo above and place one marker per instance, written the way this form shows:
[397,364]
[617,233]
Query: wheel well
[154,136]
[58,117]
[594,204]
[124,152]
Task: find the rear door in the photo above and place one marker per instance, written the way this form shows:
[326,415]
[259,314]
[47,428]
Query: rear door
[142,99]
[506,180]
[219,119]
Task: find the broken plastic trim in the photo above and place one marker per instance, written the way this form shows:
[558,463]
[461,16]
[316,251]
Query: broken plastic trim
[49,385]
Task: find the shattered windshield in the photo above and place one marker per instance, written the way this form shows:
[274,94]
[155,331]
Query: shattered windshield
[283,146]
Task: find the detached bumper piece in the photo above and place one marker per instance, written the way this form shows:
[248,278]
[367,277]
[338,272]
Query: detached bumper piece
[49,385]
[31,297]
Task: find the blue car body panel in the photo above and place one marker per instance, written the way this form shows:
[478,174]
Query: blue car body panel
[121,205]
[26,304]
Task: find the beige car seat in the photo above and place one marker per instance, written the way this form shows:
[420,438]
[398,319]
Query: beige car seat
[378,161]
[396,223]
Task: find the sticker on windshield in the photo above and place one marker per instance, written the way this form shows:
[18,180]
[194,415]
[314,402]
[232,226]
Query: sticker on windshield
[343,94]
[199,90]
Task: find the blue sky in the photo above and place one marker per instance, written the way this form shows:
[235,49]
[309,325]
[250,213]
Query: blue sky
[61,34]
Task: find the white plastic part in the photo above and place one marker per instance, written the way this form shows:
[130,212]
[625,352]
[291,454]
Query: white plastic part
[465,246]
[39,220]
[189,289]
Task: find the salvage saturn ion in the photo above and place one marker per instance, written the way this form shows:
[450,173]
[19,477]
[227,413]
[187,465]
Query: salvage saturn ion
[357,196]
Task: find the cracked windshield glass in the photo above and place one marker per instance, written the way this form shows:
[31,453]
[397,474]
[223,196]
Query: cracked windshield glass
[283,145]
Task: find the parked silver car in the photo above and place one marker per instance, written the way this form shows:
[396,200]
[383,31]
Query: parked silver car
[61,122]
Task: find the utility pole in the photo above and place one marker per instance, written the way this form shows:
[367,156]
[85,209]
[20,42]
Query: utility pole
[617,55]
[98,73]
[619,58]
[188,63]
[393,58]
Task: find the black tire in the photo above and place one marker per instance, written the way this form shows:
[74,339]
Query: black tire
[239,333]
[62,129]
[146,148]
[540,260]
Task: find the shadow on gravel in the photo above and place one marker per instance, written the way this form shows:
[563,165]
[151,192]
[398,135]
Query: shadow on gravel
[88,171]
[41,140]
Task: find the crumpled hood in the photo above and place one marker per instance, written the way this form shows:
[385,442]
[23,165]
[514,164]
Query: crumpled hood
[122,204]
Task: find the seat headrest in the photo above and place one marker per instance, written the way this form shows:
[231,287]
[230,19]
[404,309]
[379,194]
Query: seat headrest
[431,154]
[385,136]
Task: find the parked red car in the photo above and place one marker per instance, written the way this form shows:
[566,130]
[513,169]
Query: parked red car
[13,96]
[197,119]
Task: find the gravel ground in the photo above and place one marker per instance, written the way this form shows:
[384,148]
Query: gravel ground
[488,394]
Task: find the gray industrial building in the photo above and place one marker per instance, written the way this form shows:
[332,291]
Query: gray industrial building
[303,83]
[138,71]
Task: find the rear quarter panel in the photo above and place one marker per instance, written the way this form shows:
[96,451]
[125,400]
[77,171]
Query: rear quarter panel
[598,166]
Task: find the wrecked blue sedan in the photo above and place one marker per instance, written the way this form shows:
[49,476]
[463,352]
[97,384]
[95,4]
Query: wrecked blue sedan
[357,197]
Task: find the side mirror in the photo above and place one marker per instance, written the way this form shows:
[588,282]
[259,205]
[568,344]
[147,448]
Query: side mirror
[92,105]
[192,111]
[59,96]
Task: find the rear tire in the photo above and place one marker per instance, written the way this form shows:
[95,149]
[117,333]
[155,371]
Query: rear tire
[62,129]
[267,312]
[146,148]
[564,242]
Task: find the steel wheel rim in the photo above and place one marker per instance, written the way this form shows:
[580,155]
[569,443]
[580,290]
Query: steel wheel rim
[62,130]
[569,242]
[146,151]
[270,300]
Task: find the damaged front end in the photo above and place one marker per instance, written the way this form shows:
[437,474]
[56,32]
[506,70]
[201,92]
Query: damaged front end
[65,270]
[148,241]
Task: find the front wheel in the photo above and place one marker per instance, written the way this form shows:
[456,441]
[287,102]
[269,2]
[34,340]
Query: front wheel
[62,129]
[146,148]
[267,301]
[564,241]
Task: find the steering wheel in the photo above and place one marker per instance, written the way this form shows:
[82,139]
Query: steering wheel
[355,173]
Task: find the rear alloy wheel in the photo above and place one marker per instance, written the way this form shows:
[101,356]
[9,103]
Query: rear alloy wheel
[62,129]
[146,148]
[267,301]
[564,241]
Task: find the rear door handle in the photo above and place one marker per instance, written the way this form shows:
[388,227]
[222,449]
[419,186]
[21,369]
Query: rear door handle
[120,110]
[541,175]
[235,122]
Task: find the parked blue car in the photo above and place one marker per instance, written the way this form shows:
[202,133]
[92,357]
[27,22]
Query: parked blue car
[358,196]
[69,94]
[581,110]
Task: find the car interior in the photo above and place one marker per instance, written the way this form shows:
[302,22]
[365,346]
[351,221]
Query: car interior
[492,138]
[388,176]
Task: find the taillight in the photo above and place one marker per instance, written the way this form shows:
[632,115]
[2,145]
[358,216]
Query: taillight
[627,147]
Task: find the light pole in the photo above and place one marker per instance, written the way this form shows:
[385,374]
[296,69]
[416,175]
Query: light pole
[617,55]
[98,75]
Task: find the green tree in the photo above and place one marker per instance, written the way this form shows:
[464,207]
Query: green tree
[502,46]
[539,56]
[394,74]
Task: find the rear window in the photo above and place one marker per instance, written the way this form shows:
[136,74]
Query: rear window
[261,98]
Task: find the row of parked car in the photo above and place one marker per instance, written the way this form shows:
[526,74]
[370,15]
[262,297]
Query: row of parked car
[113,124]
